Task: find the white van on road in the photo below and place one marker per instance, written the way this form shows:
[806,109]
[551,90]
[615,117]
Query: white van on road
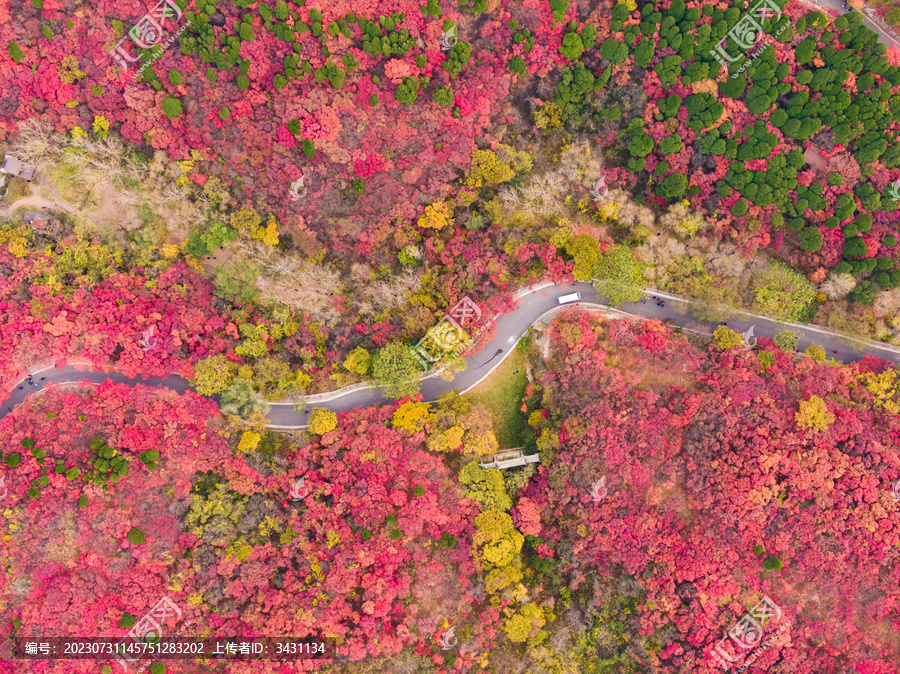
[574,297]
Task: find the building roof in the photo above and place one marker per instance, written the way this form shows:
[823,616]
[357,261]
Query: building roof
[15,167]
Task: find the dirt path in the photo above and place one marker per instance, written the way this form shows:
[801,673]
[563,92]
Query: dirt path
[36,202]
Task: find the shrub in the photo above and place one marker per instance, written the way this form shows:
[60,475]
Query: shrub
[572,46]
[457,58]
[863,293]
[786,340]
[641,145]
[558,9]
[16,53]
[772,563]
[671,144]
[395,370]
[855,247]
[136,537]
[673,186]
[811,239]
[643,55]
[517,64]
[783,293]
[408,90]
[443,96]
[171,107]
[613,51]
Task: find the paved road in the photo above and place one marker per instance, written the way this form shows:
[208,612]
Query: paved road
[509,328]
[838,5]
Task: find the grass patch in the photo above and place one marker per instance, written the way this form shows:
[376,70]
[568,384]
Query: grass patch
[502,393]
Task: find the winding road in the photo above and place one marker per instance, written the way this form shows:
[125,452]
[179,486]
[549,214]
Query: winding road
[534,303]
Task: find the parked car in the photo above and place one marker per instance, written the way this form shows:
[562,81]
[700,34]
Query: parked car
[574,297]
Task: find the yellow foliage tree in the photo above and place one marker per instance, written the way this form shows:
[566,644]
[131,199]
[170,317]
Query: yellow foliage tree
[520,625]
[410,416]
[883,387]
[499,579]
[814,415]
[358,361]
[454,436]
[322,420]
[213,375]
[17,239]
[437,216]
[245,220]
[816,352]
[269,233]
[249,441]
[487,168]
[437,442]
[500,541]
[482,445]
[547,117]
[725,338]
[485,486]
[101,126]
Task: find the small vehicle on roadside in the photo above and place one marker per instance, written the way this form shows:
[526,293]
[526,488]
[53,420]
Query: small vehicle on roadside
[565,299]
